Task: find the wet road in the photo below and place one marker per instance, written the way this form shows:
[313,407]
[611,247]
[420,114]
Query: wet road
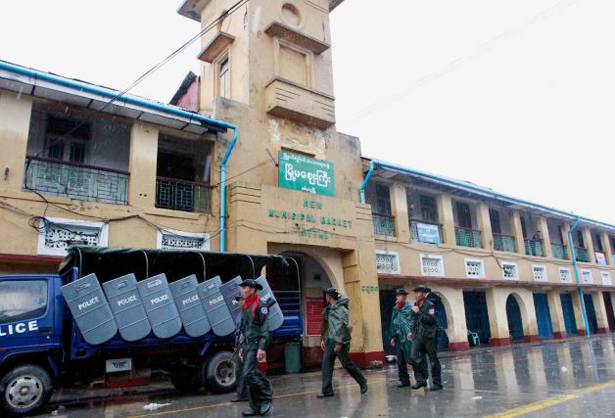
[574,378]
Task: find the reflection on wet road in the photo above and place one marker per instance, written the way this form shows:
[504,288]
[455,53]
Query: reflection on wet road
[574,378]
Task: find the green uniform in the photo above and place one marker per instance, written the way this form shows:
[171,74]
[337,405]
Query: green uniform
[401,325]
[425,341]
[336,331]
[255,336]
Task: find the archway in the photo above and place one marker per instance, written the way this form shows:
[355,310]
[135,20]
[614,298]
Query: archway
[442,318]
[515,321]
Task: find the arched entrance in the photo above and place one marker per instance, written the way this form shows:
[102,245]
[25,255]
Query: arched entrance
[515,322]
[442,319]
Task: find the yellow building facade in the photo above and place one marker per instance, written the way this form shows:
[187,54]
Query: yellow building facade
[138,173]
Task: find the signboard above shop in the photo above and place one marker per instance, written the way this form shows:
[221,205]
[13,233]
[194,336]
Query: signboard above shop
[306,174]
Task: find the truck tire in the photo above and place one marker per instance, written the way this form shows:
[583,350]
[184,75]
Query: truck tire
[25,389]
[219,372]
[187,383]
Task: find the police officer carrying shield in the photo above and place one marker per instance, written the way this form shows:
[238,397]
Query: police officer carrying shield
[335,342]
[425,338]
[400,331]
[255,341]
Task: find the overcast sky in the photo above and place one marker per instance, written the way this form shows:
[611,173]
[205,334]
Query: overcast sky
[515,95]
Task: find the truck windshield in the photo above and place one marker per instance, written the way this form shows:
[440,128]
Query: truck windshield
[20,300]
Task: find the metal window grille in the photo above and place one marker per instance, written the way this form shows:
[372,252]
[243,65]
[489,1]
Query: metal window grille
[182,195]
[510,271]
[504,243]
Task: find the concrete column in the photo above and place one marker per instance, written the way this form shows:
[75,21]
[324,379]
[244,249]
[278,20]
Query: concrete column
[457,331]
[589,244]
[543,226]
[528,315]
[498,321]
[606,244]
[578,312]
[566,241]
[447,219]
[399,207]
[484,225]
[15,114]
[557,314]
[600,307]
[143,165]
[517,231]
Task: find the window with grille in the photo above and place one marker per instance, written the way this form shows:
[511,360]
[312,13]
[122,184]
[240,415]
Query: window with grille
[387,262]
[540,274]
[606,278]
[181,240]
[57,234]
[565,275]
[432,265]
[586,277]
[510,271]
[475,269]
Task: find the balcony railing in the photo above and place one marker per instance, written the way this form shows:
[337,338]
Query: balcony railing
[466,237]
[503,242]
[76,181]
[559,251]
[581,254]
[426,232]
[182,195]
[533,247]
[384,224]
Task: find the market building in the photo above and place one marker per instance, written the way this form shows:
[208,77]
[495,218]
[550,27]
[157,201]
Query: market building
[247,158]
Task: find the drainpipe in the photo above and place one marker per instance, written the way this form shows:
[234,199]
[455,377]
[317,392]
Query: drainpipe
[372,165]
[223,190]
[576,273]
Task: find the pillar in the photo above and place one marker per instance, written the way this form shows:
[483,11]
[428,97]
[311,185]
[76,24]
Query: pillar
[143,165]
[498,321]
[15,115]
[543,226]
[600,307]
[399,207]
[517,231]
[447,218]
[589,244]
[606,244]
[528,315]
[484,225]
[457,330]
[566,241]
[578,312]
[557,314]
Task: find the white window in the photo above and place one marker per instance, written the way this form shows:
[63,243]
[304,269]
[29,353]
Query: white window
[606,278]
[510,271]
[180,240]
[475,268]
[57,234]
[540,273]
[586,276]
[224,79]
[432,265]
[387,262]
[565,276]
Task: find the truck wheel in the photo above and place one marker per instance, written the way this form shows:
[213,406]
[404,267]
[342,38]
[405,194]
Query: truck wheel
[220,372]
[25,389]
[187,383]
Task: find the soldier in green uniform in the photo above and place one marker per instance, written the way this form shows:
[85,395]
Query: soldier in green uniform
[400,331]
[255,340]
[425,338]
[335,342]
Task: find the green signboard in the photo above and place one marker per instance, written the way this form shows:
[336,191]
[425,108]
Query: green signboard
[298,172]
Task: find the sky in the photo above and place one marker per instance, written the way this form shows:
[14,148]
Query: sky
[518,96]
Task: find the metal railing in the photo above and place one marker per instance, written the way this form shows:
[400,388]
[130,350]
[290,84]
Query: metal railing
[466,237]
[559,251]
[384,224]
[182,195]
[534,247]
[503,242]
[425,236]
[76,181]
[581,254]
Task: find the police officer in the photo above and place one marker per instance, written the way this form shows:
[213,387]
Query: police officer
[335,342]
[255,341]
[242,389]
[425,338]
[400,331]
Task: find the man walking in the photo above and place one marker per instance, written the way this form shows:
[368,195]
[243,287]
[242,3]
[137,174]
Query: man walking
[242,389]
[336,343]
[255,340]
[425,338]
[400,331]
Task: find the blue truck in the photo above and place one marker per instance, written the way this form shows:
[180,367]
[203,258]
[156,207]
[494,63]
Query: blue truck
[42,348]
